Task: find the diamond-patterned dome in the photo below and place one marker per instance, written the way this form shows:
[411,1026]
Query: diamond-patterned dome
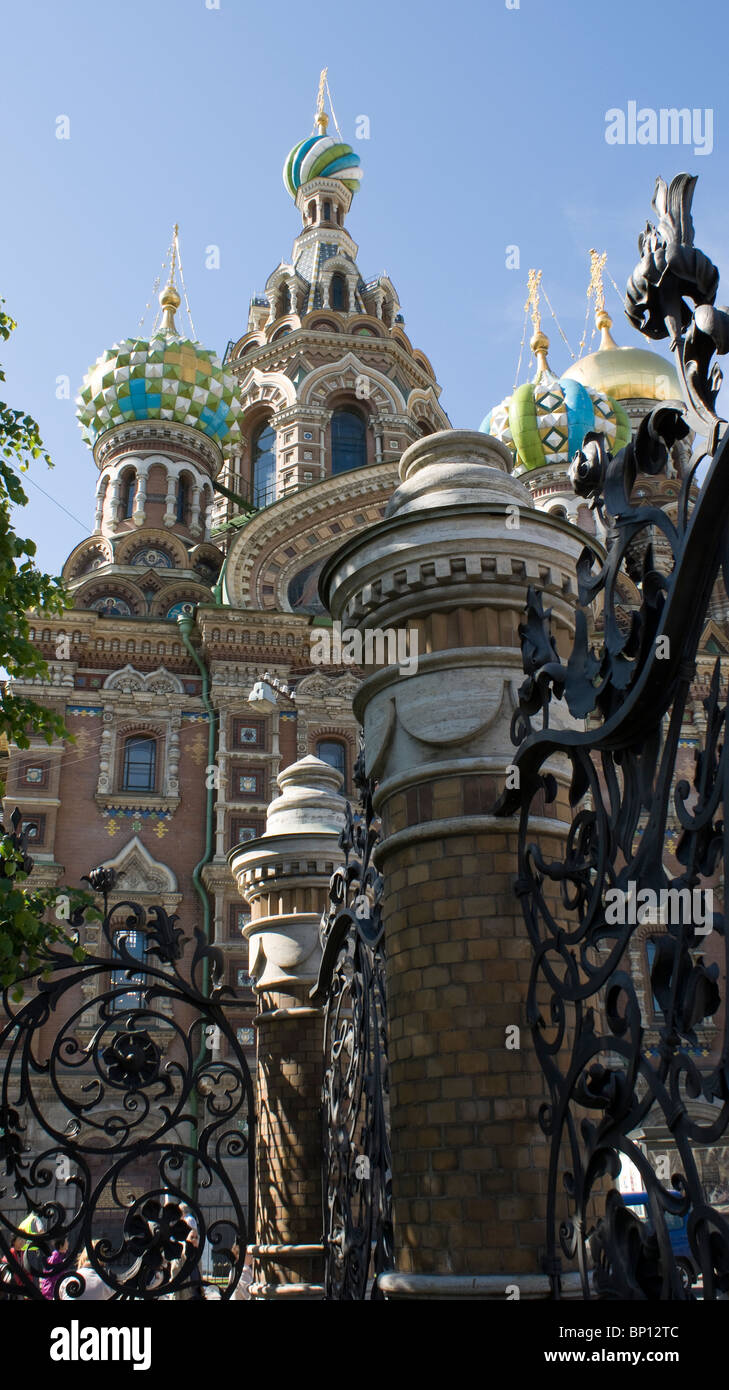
[545,421]
[165,377]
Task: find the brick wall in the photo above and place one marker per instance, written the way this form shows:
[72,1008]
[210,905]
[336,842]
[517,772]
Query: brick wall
[469,1156]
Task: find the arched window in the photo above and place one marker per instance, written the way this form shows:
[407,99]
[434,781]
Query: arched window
[349,444]
[134,944]
[650,952]
[327,212]
[284,301]
[338,292]
[182,497]
[140,760]
[263,452]
[129,492]
[332,751]
[312,210]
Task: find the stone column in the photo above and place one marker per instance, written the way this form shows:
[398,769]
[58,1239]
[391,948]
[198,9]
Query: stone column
[284,875]
[113,494]
[194,526]
[449,566]
[169,516]
[101,488]
[139,512]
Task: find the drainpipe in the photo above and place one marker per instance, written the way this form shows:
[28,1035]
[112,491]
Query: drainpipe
[219,589]
[186,622]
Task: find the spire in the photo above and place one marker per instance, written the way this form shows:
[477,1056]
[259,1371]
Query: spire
[170,298]
[596,290]
[539,343]
[321,120]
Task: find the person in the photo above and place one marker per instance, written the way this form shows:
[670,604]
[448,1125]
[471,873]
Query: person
[242,1289]
[52,1274]
[192,1288]
[34,1255]
[10,1267]
[94,1287]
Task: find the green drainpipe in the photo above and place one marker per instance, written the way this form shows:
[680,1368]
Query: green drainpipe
[219,587]
[186,622]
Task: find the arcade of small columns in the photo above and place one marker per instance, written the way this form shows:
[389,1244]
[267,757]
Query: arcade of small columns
[132,454]
[469,1159]
[110,486]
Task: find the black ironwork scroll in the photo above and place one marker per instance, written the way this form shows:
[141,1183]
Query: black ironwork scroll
[357,1200]
[606,1086]
[126,1147]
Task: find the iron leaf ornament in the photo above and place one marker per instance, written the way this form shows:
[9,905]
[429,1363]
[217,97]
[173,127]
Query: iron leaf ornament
[146,1140]
[621,1054]
[356,1171]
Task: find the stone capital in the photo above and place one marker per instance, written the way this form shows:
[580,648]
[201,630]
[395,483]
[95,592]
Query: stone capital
[284,875]
[448,569]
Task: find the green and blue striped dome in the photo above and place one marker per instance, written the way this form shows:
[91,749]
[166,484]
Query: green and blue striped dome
[545,421]
[321,157]
[161,378]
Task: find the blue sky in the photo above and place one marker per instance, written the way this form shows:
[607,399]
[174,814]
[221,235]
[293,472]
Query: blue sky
[487,129]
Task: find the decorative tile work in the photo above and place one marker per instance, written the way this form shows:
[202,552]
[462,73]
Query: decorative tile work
[240,916]
[198,749]
[545,421]
[162,378]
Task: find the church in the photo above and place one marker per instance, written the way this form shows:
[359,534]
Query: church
[185,668]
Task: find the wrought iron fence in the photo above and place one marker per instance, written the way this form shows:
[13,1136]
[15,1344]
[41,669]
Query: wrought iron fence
[126,1149]
[356,1174]
[607,1087]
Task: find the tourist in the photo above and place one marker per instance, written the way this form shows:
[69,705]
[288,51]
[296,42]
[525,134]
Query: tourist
[11,1266]
[53,1270]
[94,1287]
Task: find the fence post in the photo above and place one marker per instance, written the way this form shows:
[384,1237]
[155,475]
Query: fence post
[449,567]
[284,875]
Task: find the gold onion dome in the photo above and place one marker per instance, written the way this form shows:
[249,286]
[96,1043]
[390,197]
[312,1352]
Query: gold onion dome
[625,373]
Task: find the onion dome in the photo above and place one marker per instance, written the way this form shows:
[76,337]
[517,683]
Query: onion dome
[165,377]
[544,421]
[625,373]
[321,157]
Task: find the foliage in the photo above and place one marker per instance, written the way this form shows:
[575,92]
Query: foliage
[30,918]
[23,587]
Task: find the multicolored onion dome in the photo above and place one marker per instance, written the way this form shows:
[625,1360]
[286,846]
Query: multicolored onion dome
[165,377]
[321,157]
[545,421]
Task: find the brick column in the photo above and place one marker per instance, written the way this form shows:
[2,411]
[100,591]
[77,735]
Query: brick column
[284,876]
[450,564]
